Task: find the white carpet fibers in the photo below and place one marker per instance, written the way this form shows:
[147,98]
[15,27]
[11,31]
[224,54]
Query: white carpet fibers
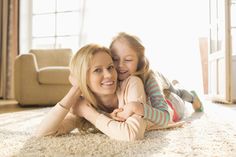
[212,134]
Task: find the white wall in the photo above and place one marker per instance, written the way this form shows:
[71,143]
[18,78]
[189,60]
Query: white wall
[234,76]
[169,30]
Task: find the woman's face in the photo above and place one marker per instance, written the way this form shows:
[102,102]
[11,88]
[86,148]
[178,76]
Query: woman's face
[125,59]
[102,75]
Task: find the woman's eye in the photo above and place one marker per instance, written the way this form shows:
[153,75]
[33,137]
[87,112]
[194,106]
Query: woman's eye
[97,70]
[110,68]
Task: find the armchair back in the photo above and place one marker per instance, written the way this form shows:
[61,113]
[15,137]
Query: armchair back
[52,57]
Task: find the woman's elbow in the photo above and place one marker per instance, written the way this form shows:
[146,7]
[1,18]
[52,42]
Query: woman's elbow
[43,133]
[135,137]
[37,133]
[128,136]
[135,130]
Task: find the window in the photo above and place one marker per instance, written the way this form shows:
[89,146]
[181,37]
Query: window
[51,24]
[233,26]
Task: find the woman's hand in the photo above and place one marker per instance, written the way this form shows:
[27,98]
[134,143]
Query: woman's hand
[126,113]
[130,109]
[74,84]
[81,107]
[73,80]
[114,116]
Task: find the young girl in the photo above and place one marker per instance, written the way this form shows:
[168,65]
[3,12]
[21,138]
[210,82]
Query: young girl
[129,59]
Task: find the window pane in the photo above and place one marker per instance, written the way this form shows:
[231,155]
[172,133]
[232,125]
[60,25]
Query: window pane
[43,6]
[68,42]
[44,25]
[213,39]
[68,23]
[68,5]
[43,42]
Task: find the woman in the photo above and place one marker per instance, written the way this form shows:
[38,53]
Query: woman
[93,69]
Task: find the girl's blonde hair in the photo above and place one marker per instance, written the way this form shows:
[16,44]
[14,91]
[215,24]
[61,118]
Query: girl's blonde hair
[143,70]
[79,66]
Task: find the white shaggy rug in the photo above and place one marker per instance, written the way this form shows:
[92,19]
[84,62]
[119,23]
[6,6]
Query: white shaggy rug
[209,134]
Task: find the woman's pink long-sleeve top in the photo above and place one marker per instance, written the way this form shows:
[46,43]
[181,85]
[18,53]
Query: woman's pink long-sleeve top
[60,121]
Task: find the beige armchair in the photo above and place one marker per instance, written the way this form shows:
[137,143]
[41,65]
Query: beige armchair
[41,76]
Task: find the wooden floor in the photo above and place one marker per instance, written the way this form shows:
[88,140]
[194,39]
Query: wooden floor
[7,106]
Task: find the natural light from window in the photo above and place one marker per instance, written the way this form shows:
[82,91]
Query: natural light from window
[169,29]
[55,25]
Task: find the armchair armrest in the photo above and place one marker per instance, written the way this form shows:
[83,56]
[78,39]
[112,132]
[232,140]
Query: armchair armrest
[25,73]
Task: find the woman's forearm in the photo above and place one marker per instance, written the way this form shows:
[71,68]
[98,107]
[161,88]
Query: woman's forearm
[89,113]
[70,98]
[53,123]
[132,129]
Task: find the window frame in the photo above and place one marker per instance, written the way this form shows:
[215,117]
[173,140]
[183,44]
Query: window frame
[26,36]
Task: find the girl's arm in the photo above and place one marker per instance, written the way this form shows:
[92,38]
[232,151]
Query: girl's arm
[59,120]
[157,112]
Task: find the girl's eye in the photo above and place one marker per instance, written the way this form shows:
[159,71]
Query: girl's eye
[128,60]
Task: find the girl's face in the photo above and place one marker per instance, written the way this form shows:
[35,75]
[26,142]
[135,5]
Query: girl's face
[125,59]
[102,75]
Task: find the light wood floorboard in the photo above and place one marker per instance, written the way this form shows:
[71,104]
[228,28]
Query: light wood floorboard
[7,106]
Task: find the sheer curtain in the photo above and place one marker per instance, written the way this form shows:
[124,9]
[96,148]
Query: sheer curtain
[8,45]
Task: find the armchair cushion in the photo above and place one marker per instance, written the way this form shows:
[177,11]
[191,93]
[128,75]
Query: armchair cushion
[54,75]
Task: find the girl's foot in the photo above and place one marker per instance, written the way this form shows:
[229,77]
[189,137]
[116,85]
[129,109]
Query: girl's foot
[166,93]
[174,82]
[197,104]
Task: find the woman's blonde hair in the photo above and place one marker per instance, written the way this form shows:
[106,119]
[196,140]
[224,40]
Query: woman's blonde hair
[79,66]
[143,70]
